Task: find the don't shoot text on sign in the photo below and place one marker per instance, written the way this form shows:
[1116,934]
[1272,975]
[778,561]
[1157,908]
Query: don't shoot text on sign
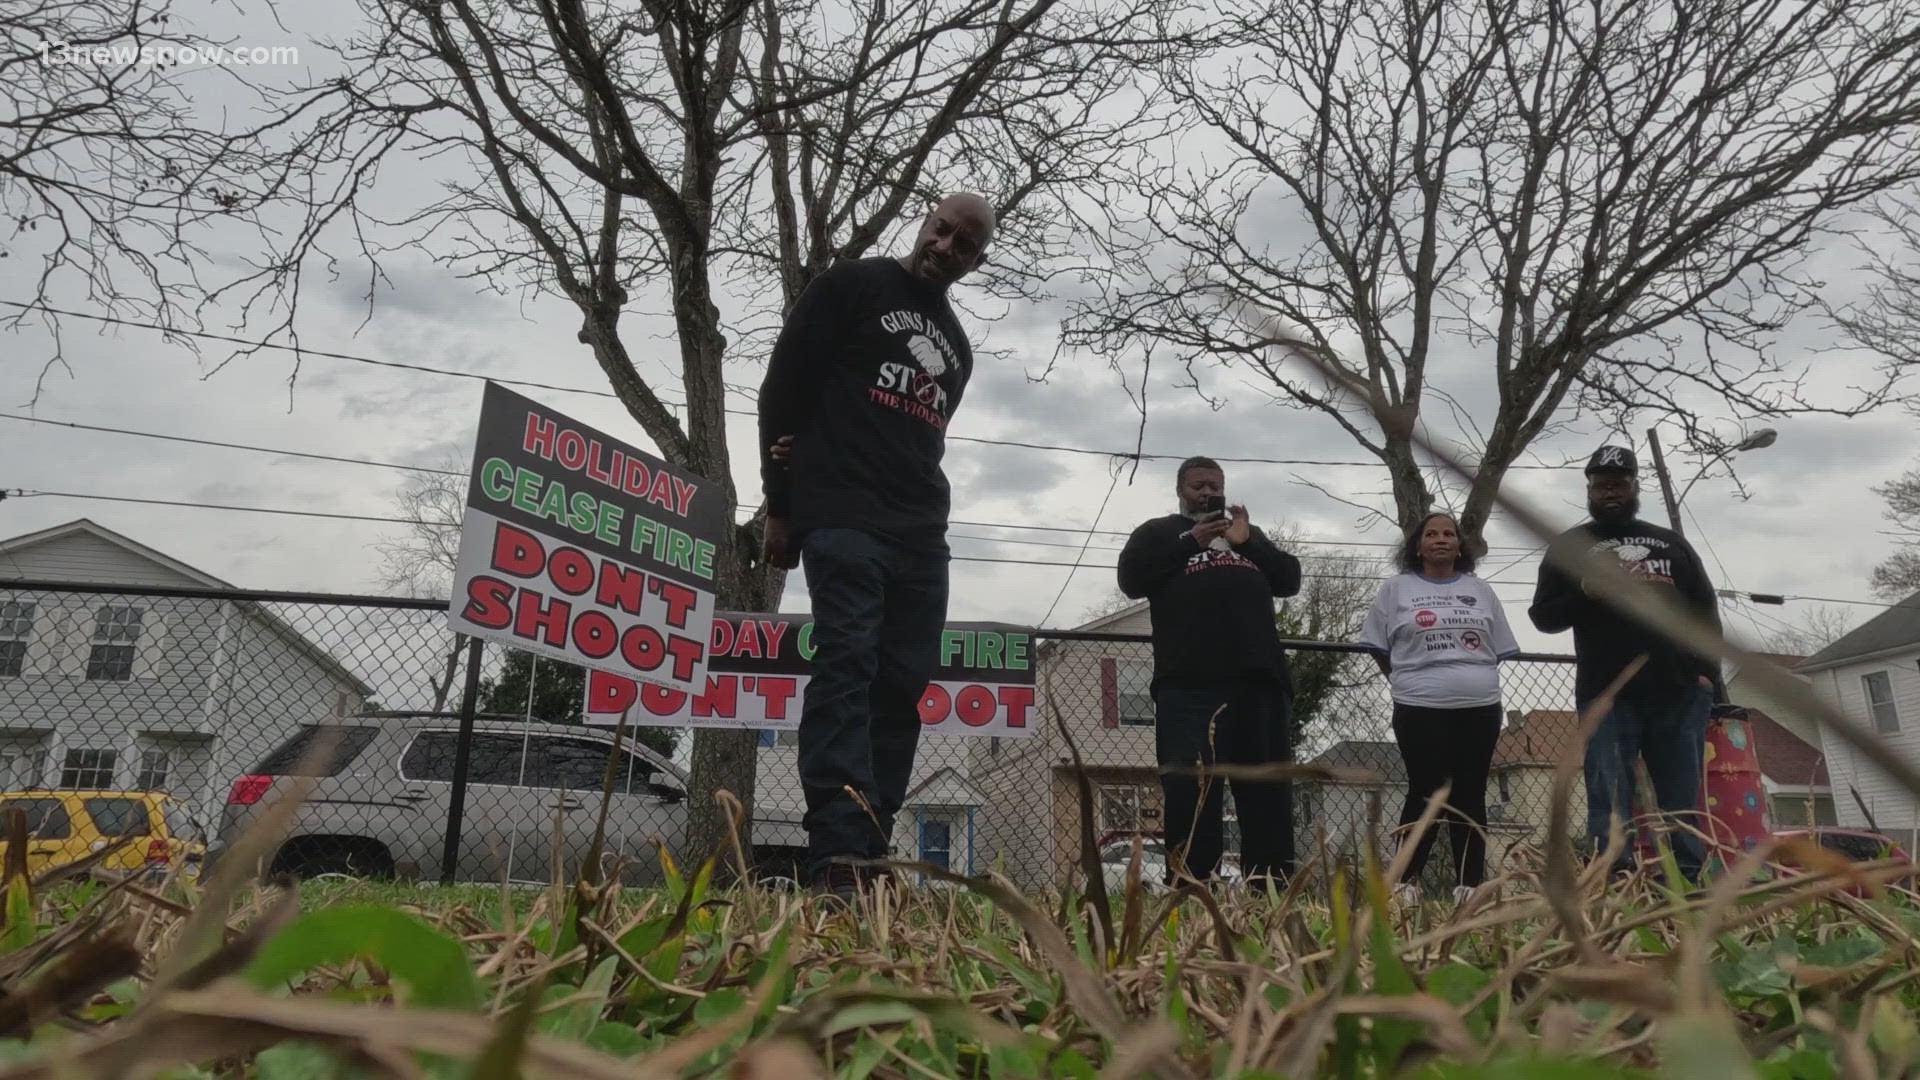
[585,549]
[758,679]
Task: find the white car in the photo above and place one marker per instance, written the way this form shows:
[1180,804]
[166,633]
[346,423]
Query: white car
[1117,855]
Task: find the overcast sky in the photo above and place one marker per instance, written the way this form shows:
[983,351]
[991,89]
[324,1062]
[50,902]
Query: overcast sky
[1812,527]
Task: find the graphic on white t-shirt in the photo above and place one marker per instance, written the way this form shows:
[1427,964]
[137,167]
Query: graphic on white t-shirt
[1444,640]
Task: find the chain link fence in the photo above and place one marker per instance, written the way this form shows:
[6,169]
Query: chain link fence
[216,698]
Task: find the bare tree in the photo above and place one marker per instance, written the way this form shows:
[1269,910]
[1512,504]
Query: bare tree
[704,150]
[422,559]
[1815,629]
[1337,589]
[107,170]
[1898,577]
[1546,206]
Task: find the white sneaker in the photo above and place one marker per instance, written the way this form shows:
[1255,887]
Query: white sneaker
[1461,893]
[1407,894]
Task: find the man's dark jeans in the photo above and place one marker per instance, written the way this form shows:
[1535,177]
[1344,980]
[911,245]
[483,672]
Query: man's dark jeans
[878,613]
[1669,731]
[1252,729]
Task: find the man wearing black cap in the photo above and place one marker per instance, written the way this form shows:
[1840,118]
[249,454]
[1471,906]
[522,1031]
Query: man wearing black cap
[1661,715]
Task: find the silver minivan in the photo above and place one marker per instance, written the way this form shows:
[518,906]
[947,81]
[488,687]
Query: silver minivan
[380,801]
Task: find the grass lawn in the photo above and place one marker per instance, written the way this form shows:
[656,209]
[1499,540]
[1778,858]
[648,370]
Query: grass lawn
[1791,979]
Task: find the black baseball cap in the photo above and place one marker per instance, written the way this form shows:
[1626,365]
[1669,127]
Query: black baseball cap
[1613,459]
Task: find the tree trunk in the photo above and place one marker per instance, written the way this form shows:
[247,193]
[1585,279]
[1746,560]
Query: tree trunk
[1411,499]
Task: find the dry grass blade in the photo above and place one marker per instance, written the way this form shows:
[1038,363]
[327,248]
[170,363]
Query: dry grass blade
[1442,1020]
[1145,1047]
[1089,846]
[1403,857]
[206,928]
[1223,933]
[74,977]
[1299,1054]
[1624,984]
[1559,880]
[236,954]
[1089,995]
[782,1059]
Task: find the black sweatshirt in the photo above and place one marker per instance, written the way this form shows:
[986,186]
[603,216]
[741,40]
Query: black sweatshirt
[1606,640]
[1212,610]
[867,371]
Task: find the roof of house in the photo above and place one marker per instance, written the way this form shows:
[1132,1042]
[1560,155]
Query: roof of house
[293,638]
[945,787]
[1785,758]
[1898,627]
[1536,738]
[1785,661]
[1370,754]
[1539,736]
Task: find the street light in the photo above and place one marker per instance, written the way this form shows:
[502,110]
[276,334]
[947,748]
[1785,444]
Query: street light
[1759,440]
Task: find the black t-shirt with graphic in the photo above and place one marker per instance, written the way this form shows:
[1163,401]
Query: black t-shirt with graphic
[1606,640]
[867,371]
[1212,607]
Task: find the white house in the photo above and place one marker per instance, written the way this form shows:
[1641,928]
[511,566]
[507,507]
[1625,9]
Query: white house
[176,694]
[939,823]
[1872,676]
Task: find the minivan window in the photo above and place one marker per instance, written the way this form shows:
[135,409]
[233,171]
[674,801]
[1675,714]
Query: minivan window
[492,759]
[120,817]
[577,765]
[288,757]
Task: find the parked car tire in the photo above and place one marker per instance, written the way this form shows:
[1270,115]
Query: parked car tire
[348,856]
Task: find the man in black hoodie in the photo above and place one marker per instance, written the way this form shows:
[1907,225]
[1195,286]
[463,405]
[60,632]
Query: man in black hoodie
[868,369]
[1221,689]
[1661,715]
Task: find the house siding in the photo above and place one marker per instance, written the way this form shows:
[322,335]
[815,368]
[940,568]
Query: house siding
[92,559]
[1890,805]
[214,684]
[1031,826]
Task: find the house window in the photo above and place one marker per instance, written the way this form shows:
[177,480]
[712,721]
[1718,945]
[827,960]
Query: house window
[1136,694]
[1119,807]
[1879,688]
[16,629]
[156,764]
[88,769]
[116,636]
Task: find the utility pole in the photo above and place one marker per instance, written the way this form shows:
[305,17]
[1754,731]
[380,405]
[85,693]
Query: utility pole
[1666,482]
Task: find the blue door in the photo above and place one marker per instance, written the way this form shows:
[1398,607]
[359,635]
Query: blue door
[936,843]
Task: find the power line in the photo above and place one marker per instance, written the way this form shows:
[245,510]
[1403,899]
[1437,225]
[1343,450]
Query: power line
[385,520]
[1047,619]
[230,446]
[336,516]
[1016,444]
[250,448]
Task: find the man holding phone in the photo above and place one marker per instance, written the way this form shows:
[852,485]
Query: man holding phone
[1221,689]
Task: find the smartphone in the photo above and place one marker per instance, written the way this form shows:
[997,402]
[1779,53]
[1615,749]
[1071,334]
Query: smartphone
[1215,506]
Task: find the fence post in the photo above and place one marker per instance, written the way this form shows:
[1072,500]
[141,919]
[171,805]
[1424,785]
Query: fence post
[462,751]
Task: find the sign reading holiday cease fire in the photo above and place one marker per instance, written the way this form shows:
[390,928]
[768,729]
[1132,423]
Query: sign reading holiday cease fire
[984,685]
[582,548]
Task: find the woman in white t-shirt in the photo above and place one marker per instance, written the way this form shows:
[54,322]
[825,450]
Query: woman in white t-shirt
[1439,634]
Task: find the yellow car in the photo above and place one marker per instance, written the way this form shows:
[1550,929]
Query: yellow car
[66,826]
